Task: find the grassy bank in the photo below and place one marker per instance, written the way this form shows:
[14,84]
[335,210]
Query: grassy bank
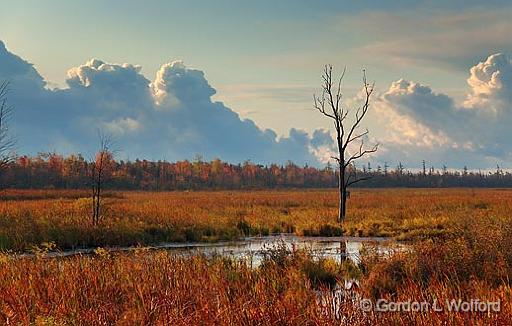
[156,288]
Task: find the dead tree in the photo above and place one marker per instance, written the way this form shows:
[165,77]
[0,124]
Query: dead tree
[7,142]
[350,140]
[100,170]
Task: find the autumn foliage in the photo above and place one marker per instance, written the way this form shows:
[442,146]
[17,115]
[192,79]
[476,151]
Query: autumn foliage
[53,171]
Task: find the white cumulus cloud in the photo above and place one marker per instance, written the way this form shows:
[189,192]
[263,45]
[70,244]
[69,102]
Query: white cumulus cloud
[172,117]
[421,123]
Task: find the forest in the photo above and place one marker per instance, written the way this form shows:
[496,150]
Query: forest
[53,171]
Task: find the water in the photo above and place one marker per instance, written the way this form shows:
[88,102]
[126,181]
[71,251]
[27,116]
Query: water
[252,249]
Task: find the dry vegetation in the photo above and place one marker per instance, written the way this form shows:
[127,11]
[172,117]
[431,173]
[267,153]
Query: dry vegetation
[157,288]
[30,218]
[460,249]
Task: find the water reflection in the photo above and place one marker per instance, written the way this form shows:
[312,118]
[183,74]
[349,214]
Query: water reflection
[253,249]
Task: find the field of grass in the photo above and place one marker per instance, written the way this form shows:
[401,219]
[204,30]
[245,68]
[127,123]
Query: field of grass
[459,242]
[33,218]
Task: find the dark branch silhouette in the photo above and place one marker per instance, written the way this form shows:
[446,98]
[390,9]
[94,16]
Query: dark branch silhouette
[347,132]
[100,170]
[7,142]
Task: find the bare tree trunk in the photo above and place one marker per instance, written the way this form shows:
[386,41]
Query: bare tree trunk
[344,207]
[98,198]
[341,192]
[7,143]
[93,205]
[98,177]
[329,104]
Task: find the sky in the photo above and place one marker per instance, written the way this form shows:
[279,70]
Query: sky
[235,79]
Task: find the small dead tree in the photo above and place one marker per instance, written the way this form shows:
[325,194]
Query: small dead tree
[350,140]
[7,142]
[101,168]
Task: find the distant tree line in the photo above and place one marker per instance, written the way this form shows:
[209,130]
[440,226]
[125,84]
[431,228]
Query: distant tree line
[72,172]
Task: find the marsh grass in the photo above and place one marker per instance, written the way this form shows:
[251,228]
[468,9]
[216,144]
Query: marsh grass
[289,288]
[157,288]
[459,248]
[474,263]
[30,218]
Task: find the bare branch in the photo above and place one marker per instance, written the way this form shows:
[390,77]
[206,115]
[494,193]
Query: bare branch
[362,152]
[358,180]
[352,174]
[7,142]
[361,111]
[99,167]
[358,136]
[320,106]
[338,91]
[330,105]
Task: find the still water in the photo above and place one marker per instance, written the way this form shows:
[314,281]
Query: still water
[253,249]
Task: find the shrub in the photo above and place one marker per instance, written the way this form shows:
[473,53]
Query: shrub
[321,273]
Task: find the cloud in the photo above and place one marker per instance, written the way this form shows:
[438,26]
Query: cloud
[283,93]
[172,117]
[432,38]
[121,126]
[182,84]
[22,75]
[322,145]
[112,88]
[419,113]
[491,84]
[424,124]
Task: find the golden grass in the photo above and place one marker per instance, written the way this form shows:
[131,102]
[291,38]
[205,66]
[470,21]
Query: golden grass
[157,288]
[152,288]
[461,249]
[29,218]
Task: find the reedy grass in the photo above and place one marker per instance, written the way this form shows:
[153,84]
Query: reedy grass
[469,258]
[30,218]
[289,288]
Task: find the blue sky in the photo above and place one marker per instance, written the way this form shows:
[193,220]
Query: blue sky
[264,58]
